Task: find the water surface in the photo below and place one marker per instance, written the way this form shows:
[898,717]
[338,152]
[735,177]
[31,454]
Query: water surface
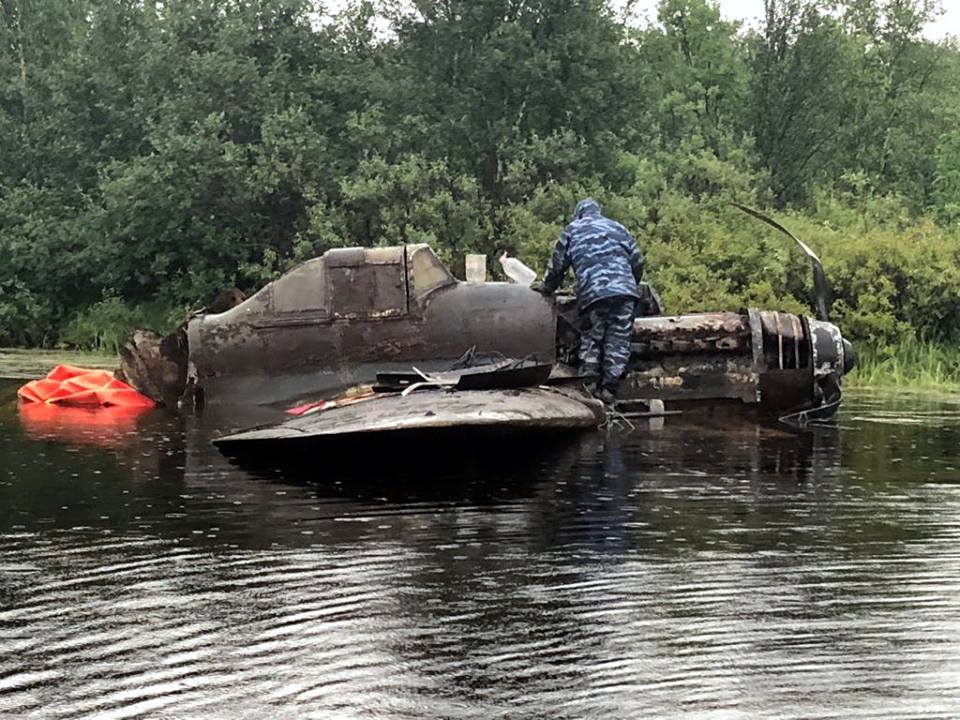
[705,569]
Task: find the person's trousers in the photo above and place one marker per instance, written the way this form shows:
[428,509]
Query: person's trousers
[605,343]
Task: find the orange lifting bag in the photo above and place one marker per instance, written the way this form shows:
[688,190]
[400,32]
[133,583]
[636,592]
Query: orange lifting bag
[68,385]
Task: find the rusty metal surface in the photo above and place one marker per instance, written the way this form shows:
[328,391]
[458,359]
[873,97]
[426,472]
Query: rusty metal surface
[691,378]
[534,408]
[705,332]
[694,325]
[786,345]
[828,349]
[503,317]
[796,327]
[756,358]
[354,311]
[425,273]
[756,338]
[340,319]
[154,365]
[697,357]
[786,390]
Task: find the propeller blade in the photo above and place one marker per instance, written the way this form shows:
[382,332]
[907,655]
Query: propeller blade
[821,288]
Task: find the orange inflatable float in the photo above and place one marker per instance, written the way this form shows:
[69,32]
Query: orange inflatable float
[78,387]
[105,427]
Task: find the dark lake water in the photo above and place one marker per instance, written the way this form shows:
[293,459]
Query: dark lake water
[701,570]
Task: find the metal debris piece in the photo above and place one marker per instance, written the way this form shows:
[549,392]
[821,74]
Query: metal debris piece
[506,374]
[539,409]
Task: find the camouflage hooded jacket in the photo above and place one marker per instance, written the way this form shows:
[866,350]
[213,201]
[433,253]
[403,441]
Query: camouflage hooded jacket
[604,256]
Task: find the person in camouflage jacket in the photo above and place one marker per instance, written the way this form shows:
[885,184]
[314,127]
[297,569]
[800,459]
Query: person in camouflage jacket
[608,265]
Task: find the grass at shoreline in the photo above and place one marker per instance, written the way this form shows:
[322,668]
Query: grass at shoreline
[914,364]
[30,364]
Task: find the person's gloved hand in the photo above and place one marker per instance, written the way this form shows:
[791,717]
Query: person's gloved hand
[537,287]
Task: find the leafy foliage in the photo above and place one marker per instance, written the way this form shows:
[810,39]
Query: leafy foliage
[152,153]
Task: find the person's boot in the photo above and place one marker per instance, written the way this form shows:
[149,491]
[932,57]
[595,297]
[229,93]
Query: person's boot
[607,397]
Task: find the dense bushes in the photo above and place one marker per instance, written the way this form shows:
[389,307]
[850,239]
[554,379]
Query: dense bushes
[151,154]
[893,275]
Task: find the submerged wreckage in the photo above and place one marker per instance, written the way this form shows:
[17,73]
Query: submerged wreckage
[359,317]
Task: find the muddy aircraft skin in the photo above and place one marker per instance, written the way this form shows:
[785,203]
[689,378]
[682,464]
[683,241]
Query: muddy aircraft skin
[338,320]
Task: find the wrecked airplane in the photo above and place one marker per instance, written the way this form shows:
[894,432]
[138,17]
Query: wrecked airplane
[339,320]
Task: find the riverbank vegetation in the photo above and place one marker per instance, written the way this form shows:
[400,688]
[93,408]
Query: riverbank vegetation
[917,364]
[153,153]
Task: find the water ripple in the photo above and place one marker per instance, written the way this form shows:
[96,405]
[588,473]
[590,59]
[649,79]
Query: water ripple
[699,571]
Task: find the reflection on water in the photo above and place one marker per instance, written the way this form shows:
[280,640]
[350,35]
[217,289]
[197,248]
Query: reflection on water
[108,427]
[701,570]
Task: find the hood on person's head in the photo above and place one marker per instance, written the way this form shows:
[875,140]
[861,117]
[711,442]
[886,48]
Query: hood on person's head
[586,207]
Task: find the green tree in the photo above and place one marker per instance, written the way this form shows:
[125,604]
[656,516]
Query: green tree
[489,81]
[946,185]
[802,96]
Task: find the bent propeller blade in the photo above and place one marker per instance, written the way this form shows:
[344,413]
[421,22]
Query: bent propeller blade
[821,288]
